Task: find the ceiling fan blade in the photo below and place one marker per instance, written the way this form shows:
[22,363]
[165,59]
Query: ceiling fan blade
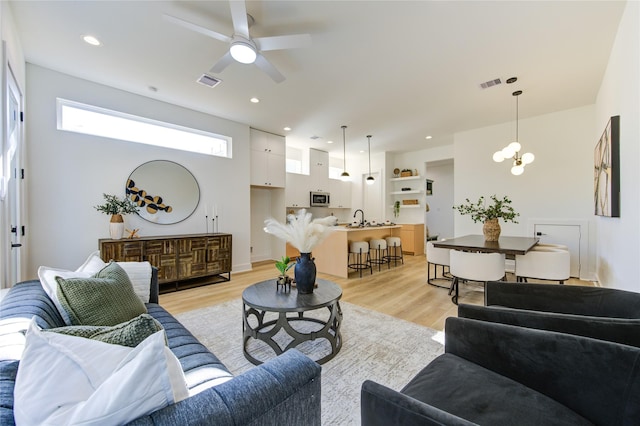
[239,17]
[283,42]
[269,69]
[197,28]
[222,63]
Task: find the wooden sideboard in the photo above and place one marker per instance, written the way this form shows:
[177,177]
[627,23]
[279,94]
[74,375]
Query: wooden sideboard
[183,261]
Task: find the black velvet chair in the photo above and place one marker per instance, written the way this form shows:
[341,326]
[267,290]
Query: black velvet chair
[600,313]
[497,374]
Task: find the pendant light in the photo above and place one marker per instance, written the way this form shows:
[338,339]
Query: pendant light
[513,149]
[370,178]
[344,176]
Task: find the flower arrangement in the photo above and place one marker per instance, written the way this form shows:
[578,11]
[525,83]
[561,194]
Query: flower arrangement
[114,205]
[501,208]
[300,230]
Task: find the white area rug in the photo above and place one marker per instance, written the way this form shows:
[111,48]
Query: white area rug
[375,346]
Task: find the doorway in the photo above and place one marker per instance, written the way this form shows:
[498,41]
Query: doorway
[12,184]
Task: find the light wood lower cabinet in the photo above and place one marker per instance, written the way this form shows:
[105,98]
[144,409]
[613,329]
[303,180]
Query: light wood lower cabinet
[182,260]
[412,236]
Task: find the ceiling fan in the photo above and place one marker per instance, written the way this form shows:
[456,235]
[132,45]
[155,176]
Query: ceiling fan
[242,47]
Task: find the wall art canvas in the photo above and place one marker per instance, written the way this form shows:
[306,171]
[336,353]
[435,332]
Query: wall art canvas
[607,170]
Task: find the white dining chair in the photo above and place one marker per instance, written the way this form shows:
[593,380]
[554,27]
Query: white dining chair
[474,266]
[437,257]
[544,263]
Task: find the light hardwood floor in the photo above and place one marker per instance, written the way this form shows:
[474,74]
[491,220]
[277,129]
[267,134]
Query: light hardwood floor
[400,291]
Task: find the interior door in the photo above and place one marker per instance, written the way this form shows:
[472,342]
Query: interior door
[14,193]
[568,235]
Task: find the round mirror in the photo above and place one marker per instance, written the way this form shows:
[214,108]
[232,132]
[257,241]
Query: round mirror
[164,191]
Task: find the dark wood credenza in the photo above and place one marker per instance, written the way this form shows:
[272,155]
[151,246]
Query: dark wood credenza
[183,261]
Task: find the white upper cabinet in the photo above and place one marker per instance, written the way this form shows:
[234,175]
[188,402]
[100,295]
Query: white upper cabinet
[268,162]
[340,194]
[319,170]
[296,193]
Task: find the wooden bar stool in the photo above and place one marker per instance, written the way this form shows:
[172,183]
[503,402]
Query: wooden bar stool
[378,253]
[394,250]
[359,256]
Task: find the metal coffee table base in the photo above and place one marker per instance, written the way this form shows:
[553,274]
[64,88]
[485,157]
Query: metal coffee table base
[330,331]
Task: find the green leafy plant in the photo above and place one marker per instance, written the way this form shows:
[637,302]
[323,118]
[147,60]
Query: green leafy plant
[283,265]
[114,205]
[480,212]
[396,209]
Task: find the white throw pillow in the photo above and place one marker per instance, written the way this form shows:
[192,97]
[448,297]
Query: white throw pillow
[48,275]
[139,274]
[71,380]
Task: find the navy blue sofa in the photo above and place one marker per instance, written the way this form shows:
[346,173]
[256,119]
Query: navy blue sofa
[282,391]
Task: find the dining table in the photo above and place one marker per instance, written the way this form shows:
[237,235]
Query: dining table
[510,246]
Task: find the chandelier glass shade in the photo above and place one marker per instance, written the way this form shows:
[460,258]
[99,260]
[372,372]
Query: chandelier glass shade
[512,151]
[344,176]
[370,180]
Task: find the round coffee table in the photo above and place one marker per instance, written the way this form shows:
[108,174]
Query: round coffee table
[263,297]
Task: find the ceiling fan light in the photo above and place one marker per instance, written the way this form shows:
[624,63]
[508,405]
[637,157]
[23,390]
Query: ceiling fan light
[243,52]
[498,157]
[370,180]
[527,158]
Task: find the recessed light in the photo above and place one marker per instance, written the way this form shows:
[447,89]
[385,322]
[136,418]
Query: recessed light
[255,100]
[428,137]
[329,141]
[287,129]
[89,39]
[361,152]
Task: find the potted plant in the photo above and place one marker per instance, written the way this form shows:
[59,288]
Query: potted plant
[396,209]
[283,265]
[489,215]
[303,233]
[116,207]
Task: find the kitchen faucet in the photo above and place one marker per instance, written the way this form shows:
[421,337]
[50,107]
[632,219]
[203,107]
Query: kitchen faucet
[362,216]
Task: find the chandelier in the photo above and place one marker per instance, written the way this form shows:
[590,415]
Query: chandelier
[513,149]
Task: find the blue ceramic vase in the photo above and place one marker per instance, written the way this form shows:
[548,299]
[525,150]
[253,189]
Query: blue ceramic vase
[305,273]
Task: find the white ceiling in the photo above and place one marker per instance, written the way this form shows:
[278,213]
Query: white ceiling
[396,70]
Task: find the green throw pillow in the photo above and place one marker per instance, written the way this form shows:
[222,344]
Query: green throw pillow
[130,333]
[105,299]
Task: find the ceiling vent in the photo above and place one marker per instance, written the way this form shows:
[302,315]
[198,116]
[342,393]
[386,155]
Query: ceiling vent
[209,81]
[314,137]
[490,83]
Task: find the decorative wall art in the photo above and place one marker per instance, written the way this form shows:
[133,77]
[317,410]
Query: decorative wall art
[607,170]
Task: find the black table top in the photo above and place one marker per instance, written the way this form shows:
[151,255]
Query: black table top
[264,296]
[506,245]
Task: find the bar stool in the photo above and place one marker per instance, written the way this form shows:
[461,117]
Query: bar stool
[359,252]
[394,250]
[379,249]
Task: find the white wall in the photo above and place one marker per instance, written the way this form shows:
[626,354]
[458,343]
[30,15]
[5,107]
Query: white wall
[558,185]
[618,248]
[68,172]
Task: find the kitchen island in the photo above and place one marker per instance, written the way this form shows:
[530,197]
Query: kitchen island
[331,255]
